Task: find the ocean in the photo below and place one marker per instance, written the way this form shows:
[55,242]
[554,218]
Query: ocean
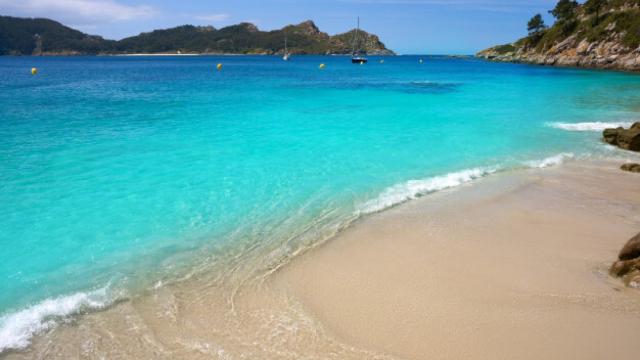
[121,174]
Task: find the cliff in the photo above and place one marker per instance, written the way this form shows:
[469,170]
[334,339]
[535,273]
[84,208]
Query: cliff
[19,36]
[597,34]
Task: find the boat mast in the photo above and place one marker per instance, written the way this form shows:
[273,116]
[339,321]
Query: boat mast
[355,37]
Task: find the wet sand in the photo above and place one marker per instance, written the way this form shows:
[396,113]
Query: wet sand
[511,267]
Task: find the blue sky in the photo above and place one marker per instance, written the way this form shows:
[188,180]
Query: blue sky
[406,26]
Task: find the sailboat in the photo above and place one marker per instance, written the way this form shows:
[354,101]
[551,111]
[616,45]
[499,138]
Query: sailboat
[358,56]
[286,51]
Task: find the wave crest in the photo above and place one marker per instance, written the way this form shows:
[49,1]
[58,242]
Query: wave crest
[412,189]
[588,126]
[550,161]
[17,328]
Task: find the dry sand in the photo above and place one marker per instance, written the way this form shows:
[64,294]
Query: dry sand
[511,267]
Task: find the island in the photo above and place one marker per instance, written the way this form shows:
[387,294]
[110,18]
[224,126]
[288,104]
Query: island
[23,36]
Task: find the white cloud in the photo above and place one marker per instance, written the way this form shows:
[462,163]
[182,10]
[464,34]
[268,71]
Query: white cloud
[83,12]
[212,17]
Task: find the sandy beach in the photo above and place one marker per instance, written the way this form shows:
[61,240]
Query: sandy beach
[276,181]
[512,267]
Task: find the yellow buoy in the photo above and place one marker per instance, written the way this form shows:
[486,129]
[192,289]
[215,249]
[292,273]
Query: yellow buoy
[219,67]
[322,66]
[34,71]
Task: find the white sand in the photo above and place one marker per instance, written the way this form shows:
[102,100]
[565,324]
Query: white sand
[513,267]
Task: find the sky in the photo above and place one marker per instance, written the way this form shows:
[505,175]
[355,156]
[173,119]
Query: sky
[405,26]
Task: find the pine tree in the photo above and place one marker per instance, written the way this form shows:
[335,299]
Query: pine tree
[565,10]
[536,24]
[594,7]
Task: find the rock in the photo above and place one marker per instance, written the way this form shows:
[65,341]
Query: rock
[628,264]
[621,268]
[631,167]
[633,279]
[631,249]
[611,135]
[583,47]
[628,139]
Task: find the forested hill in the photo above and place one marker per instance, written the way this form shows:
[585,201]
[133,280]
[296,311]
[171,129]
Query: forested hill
[595,34]
[22,36]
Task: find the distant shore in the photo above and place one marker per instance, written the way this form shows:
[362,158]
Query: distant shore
[214,54]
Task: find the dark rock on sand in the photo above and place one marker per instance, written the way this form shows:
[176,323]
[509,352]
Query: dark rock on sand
[631,167]
[631,250]
[628,265]
[628,139]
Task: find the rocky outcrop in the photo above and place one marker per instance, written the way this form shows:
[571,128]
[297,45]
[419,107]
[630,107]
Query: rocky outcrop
[343,43]
[609,39]
[628,265]
[601,55]
[628,139]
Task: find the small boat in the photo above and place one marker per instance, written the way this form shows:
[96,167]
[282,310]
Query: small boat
[358,56]
[286,51]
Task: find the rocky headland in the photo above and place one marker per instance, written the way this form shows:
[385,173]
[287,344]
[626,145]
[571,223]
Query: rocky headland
[602,34]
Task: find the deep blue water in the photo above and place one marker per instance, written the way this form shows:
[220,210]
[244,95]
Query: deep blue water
[115,170]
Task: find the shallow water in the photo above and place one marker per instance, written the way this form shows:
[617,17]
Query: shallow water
[120,174]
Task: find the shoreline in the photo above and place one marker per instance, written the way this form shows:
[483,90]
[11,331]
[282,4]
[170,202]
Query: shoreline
[525,276]
[315,283]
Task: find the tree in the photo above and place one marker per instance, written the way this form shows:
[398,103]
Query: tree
[536,24]
[594,7]
[565,10]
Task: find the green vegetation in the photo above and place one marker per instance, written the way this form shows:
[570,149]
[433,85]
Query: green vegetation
[629,22]
[26,36]
[595,20]
[42,36]
[565,10]
[594,7]
[536,24]
[504,49]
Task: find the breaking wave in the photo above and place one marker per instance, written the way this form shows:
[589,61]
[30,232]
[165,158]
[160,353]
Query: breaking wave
[413,189]
[588,126]
[550,161]
[17,328]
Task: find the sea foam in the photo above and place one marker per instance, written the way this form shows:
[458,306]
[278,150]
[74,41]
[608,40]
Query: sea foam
[550,161]
[17,328]
[415,188]
[412,189]
[588,126]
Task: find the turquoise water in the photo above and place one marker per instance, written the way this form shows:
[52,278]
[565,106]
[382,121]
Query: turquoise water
[116,172]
